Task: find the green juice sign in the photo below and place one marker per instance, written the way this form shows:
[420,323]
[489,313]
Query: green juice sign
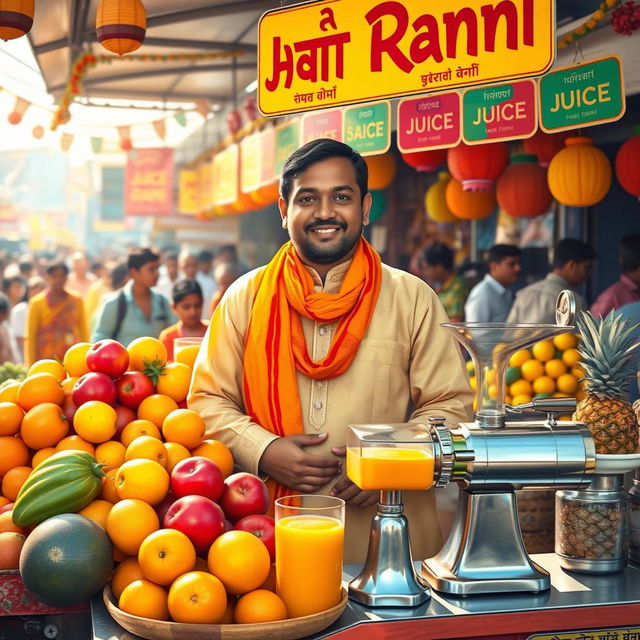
[367,128]
[287,141]
[581,95]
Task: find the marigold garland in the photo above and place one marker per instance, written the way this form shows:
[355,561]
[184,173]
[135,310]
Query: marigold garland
[588,25]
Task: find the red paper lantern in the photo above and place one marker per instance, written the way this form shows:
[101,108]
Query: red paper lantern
[478,167]
[522,189]
[545,145]
[425,160]
[628,166]
[126,144]
[234,122]
[469,205]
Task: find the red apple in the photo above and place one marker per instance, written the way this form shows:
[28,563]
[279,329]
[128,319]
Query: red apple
[262,527]
[125,416]
[108,357]
[244,495]
[69,409]
[197,476]
[94,386]
[199,518]
[133,387]
[163,507]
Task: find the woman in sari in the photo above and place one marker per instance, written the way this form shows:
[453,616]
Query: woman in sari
[55,318]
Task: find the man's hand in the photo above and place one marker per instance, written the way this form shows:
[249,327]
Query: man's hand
[349,492]
[286,461]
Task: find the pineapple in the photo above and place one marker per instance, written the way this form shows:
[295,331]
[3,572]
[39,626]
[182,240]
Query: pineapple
[607,349]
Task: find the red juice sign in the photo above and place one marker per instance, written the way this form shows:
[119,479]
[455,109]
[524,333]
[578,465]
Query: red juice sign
[325,124]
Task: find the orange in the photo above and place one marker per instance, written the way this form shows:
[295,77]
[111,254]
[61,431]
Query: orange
[44,426]
[175,453]
[149,349]
[13,480]
[531,369]
[10,393]
[5,501]
[39,388]
[98,511]
[578,371]
[10,418]
[519,357]
[520,387]
[7,523]
[137,428]
[145,599]
[126,572]
[144,480]
[567,384]
[174,381]
[95,421]
[185,427]
[544,384]
[259,606]
[156,408]
[555,368]
[147,448]
[68,384]
[165,555]
[10,548]
[129,522]
[218,452]
[240,560]
[13,453]
[197,597]
[53,367]
[76,443]
[565,341]
[543,351]
[110,454]
[108,491]
[522,398]
[42,455]
[571,357]
[75,359]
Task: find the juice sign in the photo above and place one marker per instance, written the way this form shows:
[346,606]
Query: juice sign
[325,124]
[287,141]
[148,185]
[367,129]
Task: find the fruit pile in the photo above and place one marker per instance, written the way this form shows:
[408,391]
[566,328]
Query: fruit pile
[10,372]
[105,438]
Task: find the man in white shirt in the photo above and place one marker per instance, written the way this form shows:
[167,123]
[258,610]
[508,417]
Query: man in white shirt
[188,263]
[80,278]
[168,274]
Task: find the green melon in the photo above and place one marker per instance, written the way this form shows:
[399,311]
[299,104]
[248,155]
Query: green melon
[66,560]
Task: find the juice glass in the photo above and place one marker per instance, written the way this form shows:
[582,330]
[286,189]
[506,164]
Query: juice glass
[309,551]
[185,350]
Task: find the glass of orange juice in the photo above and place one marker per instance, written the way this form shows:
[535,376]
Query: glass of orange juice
[185,350]
[309,551]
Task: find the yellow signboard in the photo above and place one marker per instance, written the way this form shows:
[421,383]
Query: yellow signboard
[250,163]
[226,175]
[205,186]
[188,192]
[335,52]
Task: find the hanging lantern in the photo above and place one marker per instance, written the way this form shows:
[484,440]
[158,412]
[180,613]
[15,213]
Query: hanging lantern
[234,121]
[469,205]
[478,166]
[522,189]
[580,174]
[435,202]
[19,109]
[382,171]
[545,145]
[121,25]
[38,132]
[250,108]
[628,166]
[425,161]
[16,18]
[379,205]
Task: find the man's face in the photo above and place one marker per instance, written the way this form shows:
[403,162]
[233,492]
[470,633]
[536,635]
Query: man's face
[57,279]
[434,273]
[577,273]
[16,292]
[325,213]
[147,275]
[80,265]
[189,309]
[506,271]
[172,268]
[190,267]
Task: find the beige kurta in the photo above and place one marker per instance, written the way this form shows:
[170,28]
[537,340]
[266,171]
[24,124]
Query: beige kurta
[405,357]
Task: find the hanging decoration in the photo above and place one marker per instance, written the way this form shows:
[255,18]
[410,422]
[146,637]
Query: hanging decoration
[19,109]
[250,108]
[379,204]
[234,121]
[160,127]
[435,202]
[203,107]
[589,25]
[628,165]
[16,18]
[124,132]
[382,170]
[545,145]
[181,118]
[522,189]
[469,205]
[425,161]
[478,166]
[625,18]
[121,25]
[580,174]
[66,141]
[38,132]
[96,144]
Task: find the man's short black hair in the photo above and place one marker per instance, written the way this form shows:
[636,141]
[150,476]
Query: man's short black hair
[499,252]
[57,266]
[184,288]
[139,256]
[316,151]
[172,255]
[7,282]
[630,252]
[572,249]
[230,249]
[438,254]
[205,255]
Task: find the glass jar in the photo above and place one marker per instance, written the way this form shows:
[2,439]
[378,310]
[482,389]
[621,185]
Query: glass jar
[592,527]
[634,519]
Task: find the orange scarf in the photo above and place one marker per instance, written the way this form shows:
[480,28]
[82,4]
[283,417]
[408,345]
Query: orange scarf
[275,347]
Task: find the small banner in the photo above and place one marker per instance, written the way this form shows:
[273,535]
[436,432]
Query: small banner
[324,124]
[149,182]
[367,128]
[96,144]
[181,118]
[188,192]
[160,127]
[66,141]
[19,109]
[124,133]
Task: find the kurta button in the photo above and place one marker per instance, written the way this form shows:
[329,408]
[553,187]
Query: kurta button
[317,404]
[322,331]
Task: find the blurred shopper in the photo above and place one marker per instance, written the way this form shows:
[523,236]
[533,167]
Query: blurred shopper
[627,289]
[8,345]
[491,299]
[18,318]
[116,277]
[137,310]
[187,305]
[99,269]
[27,266]
[436,265]
[189,268]
[572,262]
[15,288]
[225,275]
[55,318]
[205,261]
[168,274]
[80,278]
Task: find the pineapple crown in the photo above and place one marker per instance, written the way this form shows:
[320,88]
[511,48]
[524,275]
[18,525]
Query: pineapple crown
[607,348]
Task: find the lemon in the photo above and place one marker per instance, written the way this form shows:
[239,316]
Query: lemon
[567,384]
[555,368]
[469,366]
[473,383]
[519,388]
[544,384]
[543,351]
[521,399]
[532,369]
[565,341]
[520,357]
[571,357]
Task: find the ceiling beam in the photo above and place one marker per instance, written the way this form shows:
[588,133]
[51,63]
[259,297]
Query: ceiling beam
[134,94]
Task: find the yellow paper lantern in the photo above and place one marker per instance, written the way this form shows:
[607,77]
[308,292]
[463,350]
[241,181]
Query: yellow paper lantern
[121,25]
[16,18]
[382,171]
[435,201]
[469,205]
[580,174]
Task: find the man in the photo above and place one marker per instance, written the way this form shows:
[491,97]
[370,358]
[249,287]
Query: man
[80,278]
[225,274]
[205,261]
[572,262]
[169,275]
[189,268]
[322,337]
[8,345]
[627,289]
[491,299]
[437,270]
[137,310]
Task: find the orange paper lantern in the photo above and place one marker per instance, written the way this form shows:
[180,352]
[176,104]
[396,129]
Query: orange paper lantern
[121,25]
[424,161]
[16,18]
[469,205]
[580,174]
[522,189]
[382,171]
[628,166]
[435,201]
[545,145]
[478,166]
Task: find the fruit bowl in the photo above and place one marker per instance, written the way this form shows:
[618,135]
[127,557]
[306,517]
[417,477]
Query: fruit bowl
[280,630]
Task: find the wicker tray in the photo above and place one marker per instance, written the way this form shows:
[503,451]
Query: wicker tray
[281,630]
